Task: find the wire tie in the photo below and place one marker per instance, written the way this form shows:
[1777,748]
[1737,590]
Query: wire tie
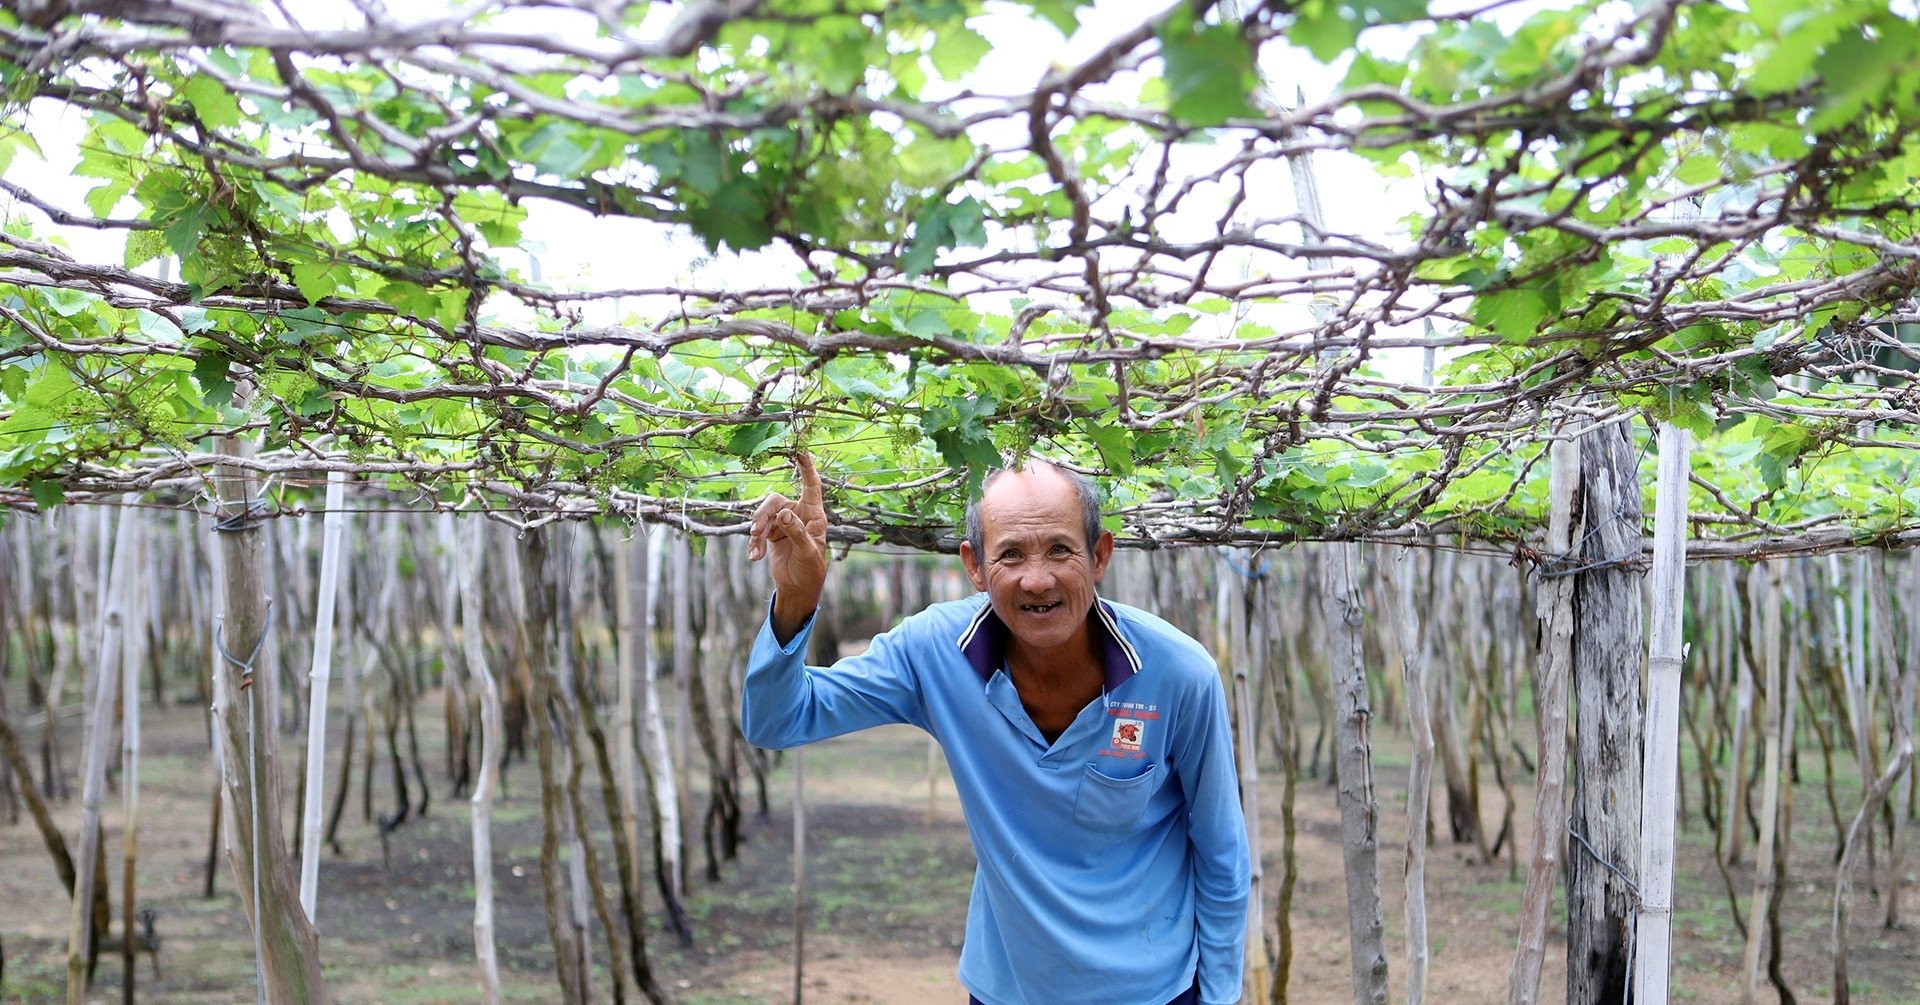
[1594,854]
[246,667]
[250,518]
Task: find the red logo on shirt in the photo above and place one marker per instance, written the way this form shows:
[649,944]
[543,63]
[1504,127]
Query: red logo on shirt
[1126,734]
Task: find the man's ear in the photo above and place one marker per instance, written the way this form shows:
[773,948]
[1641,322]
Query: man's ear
[1102,554]
[972,563]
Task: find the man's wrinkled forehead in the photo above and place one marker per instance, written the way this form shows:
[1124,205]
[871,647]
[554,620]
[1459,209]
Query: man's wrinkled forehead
[1031,467]
[1032,500]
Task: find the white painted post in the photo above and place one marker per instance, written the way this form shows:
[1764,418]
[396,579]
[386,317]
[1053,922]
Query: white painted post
[665,784]
[1660,770]
[332,543]
[106,684]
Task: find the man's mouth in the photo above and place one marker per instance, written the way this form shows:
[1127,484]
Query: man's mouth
[1039,608]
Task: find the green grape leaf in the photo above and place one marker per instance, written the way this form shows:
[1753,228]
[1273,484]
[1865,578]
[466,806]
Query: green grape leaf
[1210,71]
[216,106]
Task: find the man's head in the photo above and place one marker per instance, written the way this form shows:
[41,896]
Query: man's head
[1083,490]
[1035,545]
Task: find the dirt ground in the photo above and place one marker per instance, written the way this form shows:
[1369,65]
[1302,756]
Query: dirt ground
[887,872]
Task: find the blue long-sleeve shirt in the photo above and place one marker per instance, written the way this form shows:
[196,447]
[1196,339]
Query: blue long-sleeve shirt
[1112,861]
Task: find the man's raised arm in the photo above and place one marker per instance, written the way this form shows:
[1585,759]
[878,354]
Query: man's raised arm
[792,536]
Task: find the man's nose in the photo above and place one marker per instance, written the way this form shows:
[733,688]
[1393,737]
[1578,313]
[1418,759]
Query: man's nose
[1036,579]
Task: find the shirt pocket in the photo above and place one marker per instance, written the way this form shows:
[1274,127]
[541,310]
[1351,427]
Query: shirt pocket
[1108,805]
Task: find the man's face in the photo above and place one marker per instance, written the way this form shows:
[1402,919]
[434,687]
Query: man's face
[1037,570]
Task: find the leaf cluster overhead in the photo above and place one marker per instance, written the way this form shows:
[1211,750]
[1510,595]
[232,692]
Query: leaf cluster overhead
[1672,210]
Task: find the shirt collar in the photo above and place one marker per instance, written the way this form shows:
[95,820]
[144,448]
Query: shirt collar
[984,641]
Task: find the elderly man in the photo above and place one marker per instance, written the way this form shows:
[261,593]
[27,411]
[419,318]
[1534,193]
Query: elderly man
[1088,741]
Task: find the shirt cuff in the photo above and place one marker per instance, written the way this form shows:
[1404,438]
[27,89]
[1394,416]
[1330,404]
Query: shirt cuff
[799,641]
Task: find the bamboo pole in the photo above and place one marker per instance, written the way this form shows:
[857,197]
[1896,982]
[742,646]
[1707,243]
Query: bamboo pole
[1556,660]
[106,681]
[1653,929]
[332,542]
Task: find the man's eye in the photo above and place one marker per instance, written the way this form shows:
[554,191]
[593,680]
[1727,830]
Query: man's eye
[1061,551]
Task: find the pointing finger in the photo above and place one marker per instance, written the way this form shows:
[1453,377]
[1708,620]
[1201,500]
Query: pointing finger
[809,479]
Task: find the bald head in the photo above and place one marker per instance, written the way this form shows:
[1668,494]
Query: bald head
[1035,467]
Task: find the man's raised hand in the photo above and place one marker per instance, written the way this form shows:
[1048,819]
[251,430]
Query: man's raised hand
[792,536]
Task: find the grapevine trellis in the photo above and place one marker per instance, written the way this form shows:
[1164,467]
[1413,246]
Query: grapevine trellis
[1674,213]
[287,248]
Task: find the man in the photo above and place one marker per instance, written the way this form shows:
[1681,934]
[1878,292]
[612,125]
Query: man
[1088,742]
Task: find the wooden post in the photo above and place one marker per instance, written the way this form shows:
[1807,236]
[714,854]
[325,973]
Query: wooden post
[133,657]
[473,645]
[1653,930]
[1912,670]
[216,732]
[1550,690]
[563,720]
[285,941]
[630,643]
[1413,669]
[1353,758]
[1773,715]
[1241,587]
[685,679]
[1900,685]
[1607,657]
[1280,676]
[799,875]
[1732,823]
[1463,804]
[1849,859]
[537,626]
